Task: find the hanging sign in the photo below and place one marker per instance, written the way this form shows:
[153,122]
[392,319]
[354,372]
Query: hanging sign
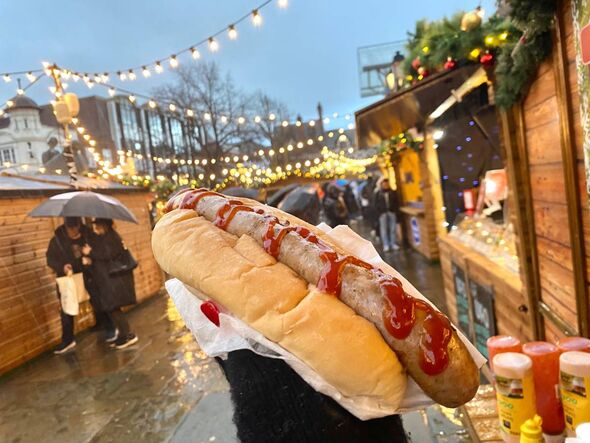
[484,318]
[461,298]
[415,230]
[581,16]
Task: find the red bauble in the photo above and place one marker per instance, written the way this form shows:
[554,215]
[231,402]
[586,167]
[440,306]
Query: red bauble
[422,72]
[487,60]
[416,63]
[450,64]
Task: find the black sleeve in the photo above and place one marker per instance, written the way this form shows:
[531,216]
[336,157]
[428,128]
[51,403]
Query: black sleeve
[273,404]
[55,257]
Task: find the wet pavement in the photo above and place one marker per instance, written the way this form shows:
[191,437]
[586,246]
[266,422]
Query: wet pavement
[164,389]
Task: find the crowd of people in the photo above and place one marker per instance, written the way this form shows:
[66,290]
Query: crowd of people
[94,252]
[373,200]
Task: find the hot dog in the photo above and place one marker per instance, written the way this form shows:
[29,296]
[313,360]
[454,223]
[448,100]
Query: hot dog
[423,339]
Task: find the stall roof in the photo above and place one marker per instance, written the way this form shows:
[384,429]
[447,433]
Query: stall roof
[12,185]
[409,108]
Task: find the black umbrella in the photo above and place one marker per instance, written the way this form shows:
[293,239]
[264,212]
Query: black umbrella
[302,202]
[279,195]
[83,204]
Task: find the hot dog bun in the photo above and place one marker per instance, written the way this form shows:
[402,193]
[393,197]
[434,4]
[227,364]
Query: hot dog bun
[423,339]
[344,348]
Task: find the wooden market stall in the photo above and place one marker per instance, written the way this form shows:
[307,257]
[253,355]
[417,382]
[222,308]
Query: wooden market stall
[420,182]
[29,308]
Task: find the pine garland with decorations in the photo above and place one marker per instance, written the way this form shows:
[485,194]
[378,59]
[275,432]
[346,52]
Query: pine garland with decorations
[519,60]
[514,44]
[399,142]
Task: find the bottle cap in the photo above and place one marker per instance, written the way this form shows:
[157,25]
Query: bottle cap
[531,431]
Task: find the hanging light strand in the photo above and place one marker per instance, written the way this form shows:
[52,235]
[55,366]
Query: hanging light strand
[211,41]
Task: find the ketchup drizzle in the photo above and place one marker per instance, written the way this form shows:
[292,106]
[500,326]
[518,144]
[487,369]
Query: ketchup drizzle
[400,309]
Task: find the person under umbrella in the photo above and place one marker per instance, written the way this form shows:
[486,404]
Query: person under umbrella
[65,257]
[114,289]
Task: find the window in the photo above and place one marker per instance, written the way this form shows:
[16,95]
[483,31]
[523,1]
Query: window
[7,155]
[177,138]
[26,124]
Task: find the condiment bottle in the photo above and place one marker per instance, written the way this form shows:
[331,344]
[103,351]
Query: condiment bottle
[574,385]
[515,392]
[545,357]
[574,344]
[531,431]
[501,343]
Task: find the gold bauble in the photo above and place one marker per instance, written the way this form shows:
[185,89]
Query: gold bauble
[471,20]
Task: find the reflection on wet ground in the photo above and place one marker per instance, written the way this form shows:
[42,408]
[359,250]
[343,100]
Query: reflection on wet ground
[163,389]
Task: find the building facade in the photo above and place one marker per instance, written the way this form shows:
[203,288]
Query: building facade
[25,135]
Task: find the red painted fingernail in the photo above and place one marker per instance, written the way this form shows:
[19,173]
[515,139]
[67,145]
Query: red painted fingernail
[211,312]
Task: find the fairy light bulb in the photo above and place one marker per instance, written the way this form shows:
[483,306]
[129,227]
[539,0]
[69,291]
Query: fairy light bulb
[105,77]
[195,54]
[7,78]
[207,116]
[257,119]
[75,76]
[173,62]
[132,98]
[213,45]
[312,123]
[131,75]
[122,76]
[272,117]
[172,107]
[283,4]
[31,77]
[232,32]
[20,91]
[152,104]
[223,119]
[256,18]
[285,123]
[145,71]
[241,120]
[158,68]
[190,113]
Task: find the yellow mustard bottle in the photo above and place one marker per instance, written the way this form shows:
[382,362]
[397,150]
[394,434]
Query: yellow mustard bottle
[531,431]
[574,386]
[515,393]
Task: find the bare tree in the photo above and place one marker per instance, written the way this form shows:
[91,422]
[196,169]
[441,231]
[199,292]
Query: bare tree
[219,109]
[268,118]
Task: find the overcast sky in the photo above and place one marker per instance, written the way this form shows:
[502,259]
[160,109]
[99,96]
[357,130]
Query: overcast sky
[301,55]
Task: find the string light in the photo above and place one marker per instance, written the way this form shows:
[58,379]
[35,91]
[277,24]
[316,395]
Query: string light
[190,113]
[131,75]
[256,18]
[283,4]
[31,77]
[195,54]
[112,92]
[132,98]
[213,45]
[173,62]
[172,107]
[20,91]
[152,104]
[272,117]
[7,78]
[145,71]
[232,33]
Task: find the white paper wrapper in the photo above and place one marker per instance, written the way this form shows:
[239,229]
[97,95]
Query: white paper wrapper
[233,334]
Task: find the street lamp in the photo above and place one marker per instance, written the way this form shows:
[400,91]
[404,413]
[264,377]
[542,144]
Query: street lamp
[395,80]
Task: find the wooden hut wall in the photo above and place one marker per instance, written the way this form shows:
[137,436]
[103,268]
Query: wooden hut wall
[29,308]
[546,110]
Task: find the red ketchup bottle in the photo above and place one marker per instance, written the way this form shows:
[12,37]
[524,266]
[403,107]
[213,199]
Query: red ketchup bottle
[499,344]
[574,344]
[545,357]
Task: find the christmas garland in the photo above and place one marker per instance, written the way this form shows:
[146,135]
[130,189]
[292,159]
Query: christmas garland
[399,142]
[516,43]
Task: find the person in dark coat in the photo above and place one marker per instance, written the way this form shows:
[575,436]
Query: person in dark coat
[272,403]
[387,205]
[113,291]
[350,200]
[64,256]
[335,207]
